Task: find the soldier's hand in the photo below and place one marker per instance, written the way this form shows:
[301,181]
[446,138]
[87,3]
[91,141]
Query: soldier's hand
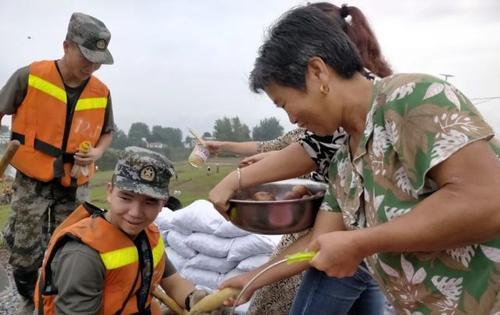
[198,295]
[86,158]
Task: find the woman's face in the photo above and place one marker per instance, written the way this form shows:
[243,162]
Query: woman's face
[304,108]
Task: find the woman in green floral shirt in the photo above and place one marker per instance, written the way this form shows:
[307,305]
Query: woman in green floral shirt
[418,184]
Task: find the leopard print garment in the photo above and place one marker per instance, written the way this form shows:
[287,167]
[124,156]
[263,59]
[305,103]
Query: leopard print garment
[321,150]
[281,142]
[277,298]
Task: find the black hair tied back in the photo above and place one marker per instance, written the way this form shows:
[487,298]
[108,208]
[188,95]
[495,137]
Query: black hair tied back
[344,11]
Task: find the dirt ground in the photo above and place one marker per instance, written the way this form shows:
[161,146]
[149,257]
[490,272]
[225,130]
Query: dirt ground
[8,294]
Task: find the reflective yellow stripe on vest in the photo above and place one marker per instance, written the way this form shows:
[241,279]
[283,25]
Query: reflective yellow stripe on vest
[47,87]
[158,251]
[128,255]
[120,257]
[91,103]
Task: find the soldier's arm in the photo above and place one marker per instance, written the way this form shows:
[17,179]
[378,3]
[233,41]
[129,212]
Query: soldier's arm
[103,144]
[107,131]
[78,275]
[109,120]
[175,285]
[13,92]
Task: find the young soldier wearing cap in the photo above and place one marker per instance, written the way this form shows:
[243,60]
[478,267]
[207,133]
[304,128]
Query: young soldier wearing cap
[110,262]
[57,106]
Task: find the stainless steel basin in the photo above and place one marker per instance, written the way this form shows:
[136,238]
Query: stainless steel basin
[277,216]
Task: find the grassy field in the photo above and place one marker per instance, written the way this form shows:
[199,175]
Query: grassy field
[191,183]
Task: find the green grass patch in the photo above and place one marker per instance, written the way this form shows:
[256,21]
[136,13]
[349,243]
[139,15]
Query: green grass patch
[191,183]
[4,214]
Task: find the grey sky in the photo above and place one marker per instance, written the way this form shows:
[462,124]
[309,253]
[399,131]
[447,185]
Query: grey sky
[185,63]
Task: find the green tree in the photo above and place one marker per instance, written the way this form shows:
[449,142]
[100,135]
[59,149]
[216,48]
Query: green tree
[223,129]
[120,140]
[172,137]
[241,131]
[268,129]
[108,160]
[188,142]
[231,129]
[137,133]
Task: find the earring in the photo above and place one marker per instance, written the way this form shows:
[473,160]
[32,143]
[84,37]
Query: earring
[324,89]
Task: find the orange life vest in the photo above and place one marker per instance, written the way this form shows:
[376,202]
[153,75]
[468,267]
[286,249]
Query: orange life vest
[119,255]
[40,123]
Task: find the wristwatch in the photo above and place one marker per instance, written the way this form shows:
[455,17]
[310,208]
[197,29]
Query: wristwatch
[188,300]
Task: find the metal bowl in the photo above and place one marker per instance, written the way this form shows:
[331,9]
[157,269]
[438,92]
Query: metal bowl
[277,216]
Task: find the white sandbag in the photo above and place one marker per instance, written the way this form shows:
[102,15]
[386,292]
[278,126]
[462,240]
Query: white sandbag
[200,277]
[252,262]
[209,244]
[228,229]
[175,258]
[163,220]
[275,239]
[177,241]
[199,216]
[202,261]
[250,245]
[231,273]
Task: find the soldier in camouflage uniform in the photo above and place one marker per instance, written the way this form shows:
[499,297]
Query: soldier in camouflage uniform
[40,204]
[79,272]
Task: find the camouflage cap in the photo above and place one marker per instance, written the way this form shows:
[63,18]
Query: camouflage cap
[144,172]
[92,37]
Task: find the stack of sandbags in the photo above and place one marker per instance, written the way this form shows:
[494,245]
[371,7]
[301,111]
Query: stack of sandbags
[206,248]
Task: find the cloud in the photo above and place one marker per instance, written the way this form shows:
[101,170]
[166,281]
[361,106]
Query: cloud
[186,63]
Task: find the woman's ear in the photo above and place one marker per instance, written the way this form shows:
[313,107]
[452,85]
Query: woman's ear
[317,69]
[318,74]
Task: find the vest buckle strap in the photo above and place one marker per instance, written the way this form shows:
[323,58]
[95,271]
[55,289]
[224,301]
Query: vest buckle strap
[17,136]
[147,311]
[58,167]
[47,148]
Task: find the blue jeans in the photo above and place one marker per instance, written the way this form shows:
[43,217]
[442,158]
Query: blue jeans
[319,294]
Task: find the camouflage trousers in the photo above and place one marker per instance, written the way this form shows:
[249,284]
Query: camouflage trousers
[37,208]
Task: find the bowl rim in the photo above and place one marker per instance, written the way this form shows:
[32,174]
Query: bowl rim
[262,202]
[292,181]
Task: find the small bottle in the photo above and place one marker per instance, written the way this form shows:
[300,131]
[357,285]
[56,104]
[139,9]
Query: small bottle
[84,147]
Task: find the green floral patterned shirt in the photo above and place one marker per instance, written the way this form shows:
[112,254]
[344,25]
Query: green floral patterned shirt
[415,122]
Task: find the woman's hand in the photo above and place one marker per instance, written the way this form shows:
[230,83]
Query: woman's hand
[255,158]
[239,282]
[213,146]
[338,253]
[222,192]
